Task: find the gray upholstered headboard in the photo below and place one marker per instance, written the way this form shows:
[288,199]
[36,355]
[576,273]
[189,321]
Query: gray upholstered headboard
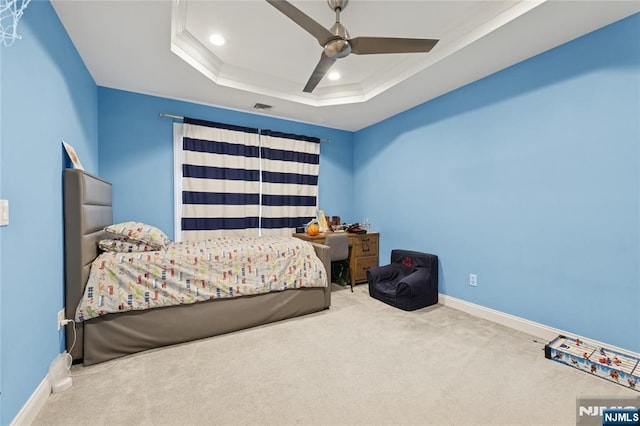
[87,210]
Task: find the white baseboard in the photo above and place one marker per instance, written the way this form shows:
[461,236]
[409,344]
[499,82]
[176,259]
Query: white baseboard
[32,407]
[530,327]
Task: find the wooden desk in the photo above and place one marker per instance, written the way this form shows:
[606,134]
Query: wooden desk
[363,253]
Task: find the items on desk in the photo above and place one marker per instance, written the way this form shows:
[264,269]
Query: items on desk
[323,222]
[313,230]
[356,229]
[322,225]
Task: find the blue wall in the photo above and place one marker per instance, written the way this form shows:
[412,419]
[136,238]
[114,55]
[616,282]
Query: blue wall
[530,179]
[1,410]
[136,154]
[47,95]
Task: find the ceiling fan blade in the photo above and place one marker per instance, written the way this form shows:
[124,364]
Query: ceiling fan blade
[319,72]
[373,45]
[321,34]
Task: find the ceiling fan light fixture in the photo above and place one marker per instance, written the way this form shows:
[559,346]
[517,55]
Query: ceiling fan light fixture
[338,48]
[217,40]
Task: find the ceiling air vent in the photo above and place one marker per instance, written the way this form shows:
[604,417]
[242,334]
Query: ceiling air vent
[262,107]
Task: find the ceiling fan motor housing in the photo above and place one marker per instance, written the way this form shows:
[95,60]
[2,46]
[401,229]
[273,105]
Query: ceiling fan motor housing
[340,46]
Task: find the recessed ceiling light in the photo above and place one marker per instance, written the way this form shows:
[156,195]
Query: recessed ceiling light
[216,39]
[334,75]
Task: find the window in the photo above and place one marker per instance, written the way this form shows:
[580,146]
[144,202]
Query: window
[233,180]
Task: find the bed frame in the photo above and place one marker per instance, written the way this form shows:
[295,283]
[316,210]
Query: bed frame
[87,210]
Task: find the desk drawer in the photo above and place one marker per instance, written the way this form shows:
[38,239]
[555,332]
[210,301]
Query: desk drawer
[365,246]
[363,264]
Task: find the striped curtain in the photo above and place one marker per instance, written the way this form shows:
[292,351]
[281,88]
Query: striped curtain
[220,180]
[290,166]
[242,181]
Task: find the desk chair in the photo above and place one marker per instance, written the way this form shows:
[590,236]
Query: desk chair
[339,253]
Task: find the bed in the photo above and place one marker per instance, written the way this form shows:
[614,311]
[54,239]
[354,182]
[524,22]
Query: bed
[87,211]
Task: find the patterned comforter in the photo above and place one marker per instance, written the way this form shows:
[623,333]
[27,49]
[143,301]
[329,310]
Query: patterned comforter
[194,271]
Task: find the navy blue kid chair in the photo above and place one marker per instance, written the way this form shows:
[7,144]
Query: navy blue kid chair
[410,282]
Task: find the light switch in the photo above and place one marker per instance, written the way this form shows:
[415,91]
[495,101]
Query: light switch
[4,212]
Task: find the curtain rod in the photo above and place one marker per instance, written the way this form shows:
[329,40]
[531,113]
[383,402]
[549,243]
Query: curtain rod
[181,117]
[175,117]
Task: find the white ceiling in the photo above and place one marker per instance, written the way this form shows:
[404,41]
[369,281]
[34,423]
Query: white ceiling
[161,48]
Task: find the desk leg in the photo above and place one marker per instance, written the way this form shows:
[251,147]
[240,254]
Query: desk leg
[351,266]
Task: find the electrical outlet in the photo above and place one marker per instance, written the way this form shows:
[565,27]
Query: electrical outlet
[4,212]
[473,280]
[60,318]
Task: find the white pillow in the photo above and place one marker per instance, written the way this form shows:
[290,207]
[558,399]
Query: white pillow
[140,232]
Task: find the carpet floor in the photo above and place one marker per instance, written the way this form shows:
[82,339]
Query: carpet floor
[360,362]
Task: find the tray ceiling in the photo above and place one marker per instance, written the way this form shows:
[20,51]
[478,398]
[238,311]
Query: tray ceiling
[161,48]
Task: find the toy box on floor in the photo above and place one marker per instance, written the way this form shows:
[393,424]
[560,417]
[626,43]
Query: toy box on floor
[615,366]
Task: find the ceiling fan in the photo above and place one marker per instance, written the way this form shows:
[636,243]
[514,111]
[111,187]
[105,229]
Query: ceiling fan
[337,43]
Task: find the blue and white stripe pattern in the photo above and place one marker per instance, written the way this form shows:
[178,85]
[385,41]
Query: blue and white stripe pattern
[242,181]
[290,166]
[220,180]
